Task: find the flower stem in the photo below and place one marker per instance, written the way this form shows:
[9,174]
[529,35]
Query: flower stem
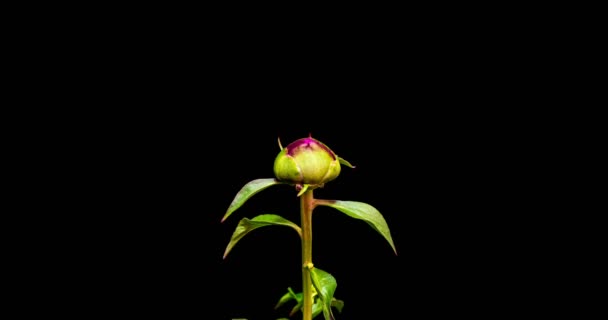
[306,206]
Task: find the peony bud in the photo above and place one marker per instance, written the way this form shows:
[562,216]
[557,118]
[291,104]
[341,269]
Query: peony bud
[307,161]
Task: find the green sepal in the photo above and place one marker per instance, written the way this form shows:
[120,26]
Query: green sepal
[304,188]
[346,163]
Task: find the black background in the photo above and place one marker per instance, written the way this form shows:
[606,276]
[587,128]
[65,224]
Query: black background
[446,184]
[173,119]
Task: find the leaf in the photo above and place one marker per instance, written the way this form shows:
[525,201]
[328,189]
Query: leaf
[246,225]
[248,191]
[317,307]
[365,212]
[296,308]
[290,295]
[338,304]
[325,284]
[285,298]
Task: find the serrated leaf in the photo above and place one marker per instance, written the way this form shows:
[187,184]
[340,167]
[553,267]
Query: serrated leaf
[365,212]
[247,225]
[248,191]
[325,284]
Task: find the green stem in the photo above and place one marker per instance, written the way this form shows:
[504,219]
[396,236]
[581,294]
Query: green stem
[306,206]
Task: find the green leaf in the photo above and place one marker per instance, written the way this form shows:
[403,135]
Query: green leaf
[290,295]
[317,307]
[325,284]
[365,212]
[285,298]
[246,225]
[296,308]
[248,190]
[338,304]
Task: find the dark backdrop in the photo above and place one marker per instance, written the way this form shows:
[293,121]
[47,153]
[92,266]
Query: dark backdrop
[442,179]
[436,123]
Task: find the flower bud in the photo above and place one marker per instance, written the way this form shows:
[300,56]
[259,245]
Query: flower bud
[306,161]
